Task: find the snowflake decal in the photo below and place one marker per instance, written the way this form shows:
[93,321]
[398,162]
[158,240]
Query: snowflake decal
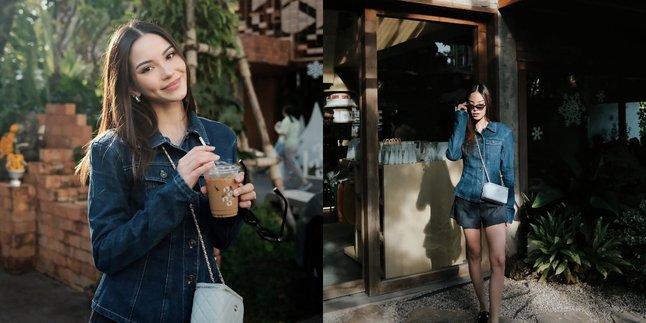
[315,69]
[601,96]
[572,109]
[537,133]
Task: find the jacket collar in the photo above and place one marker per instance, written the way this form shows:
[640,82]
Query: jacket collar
[492,126]
[195,128]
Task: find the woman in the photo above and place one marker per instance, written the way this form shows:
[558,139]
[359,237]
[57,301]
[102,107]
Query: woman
[475,129]
[289,130]
[144,169]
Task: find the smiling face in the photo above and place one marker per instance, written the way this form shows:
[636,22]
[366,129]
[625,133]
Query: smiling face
[159,74]
[474,103]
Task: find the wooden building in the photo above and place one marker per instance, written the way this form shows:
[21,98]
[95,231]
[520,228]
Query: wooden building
[282,40]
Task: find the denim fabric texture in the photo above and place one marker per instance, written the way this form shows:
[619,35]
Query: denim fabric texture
[477,215]
[143,236]
[497,146]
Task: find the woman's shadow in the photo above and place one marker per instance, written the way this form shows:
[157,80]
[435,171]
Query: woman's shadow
[443,236]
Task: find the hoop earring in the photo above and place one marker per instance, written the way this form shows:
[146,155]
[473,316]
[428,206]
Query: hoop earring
[138,98]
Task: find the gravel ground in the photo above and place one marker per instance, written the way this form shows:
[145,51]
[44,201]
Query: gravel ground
[523,301]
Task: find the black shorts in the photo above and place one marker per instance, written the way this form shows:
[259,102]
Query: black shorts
[470,215]
[98,318]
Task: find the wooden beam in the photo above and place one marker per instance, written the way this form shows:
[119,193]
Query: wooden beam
[504,3]
[343,289]
[369,167]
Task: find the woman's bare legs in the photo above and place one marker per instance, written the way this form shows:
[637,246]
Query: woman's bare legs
[474,257]
[496,237]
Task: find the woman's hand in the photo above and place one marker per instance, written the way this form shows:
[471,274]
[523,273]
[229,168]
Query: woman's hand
[246,193]
[462,106]
[195,163]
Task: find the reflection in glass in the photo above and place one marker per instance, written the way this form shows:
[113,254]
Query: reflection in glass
[424,70]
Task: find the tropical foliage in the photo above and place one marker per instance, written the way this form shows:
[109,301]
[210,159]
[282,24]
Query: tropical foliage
[565,251]
[607,184]
[630,229]
[603,253]
[556,252]
[53,54]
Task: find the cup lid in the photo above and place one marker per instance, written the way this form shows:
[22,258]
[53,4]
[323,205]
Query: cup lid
[224,167]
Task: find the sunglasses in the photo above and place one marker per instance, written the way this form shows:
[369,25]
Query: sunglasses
[251,219]
[478,107]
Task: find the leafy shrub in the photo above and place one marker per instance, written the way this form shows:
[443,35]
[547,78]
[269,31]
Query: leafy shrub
[631,230]
[566,250]
[603,253]
[556,253]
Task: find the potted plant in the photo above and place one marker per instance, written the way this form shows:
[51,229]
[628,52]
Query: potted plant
[16,168]
[15,161]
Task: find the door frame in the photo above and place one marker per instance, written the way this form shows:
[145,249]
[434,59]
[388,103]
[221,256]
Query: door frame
[370,233]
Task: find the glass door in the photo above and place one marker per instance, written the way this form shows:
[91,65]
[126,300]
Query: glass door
[425,67]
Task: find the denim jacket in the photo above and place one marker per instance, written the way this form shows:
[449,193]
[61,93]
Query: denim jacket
[497,146]
[143,235]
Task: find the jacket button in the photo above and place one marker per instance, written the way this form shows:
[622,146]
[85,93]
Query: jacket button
[191,243]
[163,174]
[191,278]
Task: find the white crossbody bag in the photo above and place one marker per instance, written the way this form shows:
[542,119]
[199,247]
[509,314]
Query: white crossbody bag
[213,302]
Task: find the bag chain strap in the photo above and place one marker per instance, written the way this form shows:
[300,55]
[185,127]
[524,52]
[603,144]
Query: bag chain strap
[485,167]
[481,159]
[199,233]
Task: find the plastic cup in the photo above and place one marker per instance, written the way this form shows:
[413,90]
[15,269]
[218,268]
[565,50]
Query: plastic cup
[220,183]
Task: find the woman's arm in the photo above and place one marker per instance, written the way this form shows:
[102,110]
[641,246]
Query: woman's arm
[454,152]
[507,171]
[119,234]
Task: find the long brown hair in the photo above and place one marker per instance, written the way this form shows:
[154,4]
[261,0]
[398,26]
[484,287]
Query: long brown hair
[491,114]
[134,122]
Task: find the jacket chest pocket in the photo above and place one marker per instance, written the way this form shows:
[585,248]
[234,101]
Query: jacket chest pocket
[157,175]
[494,149]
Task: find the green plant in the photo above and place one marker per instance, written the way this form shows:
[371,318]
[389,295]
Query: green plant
[603,253]
[53,53]
[556,252]
[631,230]
[22,75]
[526,214]
[217,102]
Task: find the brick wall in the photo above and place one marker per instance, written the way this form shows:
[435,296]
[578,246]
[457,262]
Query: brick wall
[17,228]
[65,129]
[59,231]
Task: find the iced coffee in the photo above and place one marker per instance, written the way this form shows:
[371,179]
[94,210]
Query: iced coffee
[220,183]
